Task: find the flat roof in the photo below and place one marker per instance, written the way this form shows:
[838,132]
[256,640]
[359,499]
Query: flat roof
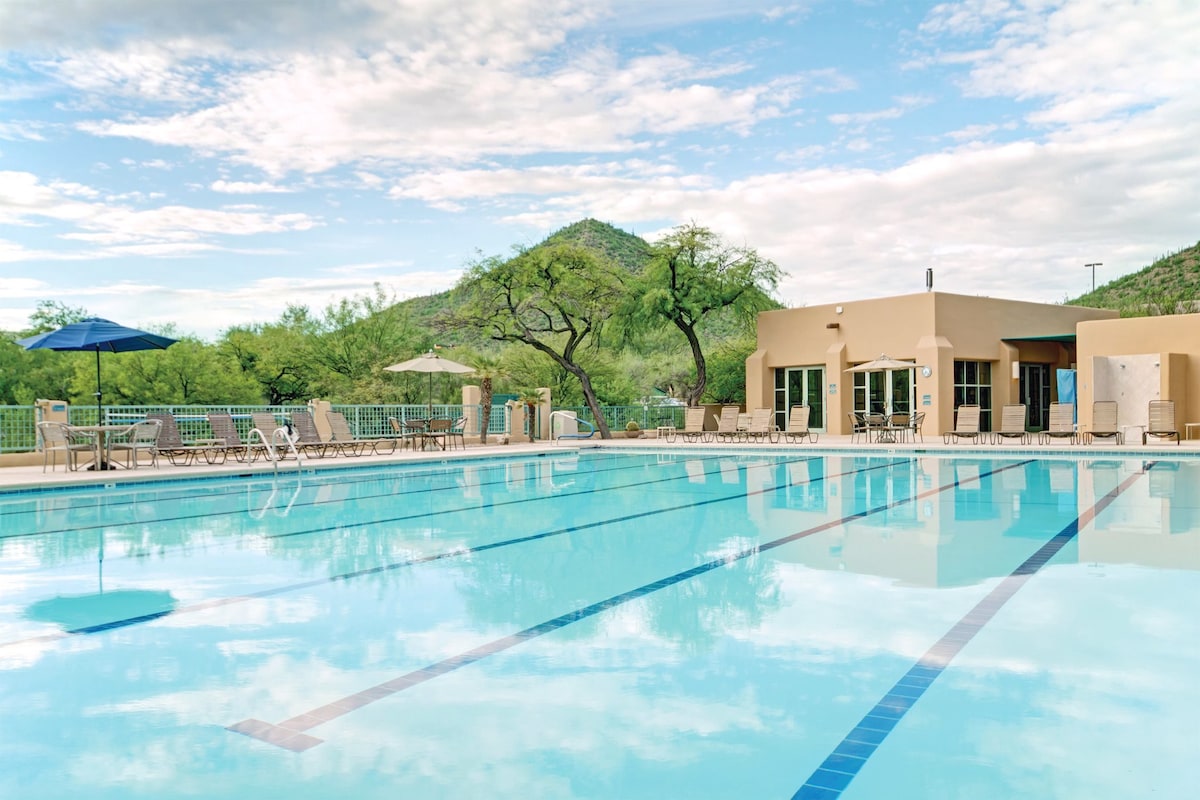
[1054,337]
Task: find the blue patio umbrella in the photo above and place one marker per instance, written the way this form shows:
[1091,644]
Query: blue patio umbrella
[99,335]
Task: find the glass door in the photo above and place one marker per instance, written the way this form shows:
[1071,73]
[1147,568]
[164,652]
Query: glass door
[800,386]
[1035,394]
[884,392]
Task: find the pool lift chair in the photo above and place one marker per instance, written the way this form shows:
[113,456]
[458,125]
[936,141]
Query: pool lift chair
[570,415]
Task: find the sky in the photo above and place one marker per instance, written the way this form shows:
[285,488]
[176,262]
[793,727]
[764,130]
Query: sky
[206,163]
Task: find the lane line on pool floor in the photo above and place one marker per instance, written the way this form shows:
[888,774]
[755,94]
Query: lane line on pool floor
[205,605]
[841,766]
[290,734]
[308,503]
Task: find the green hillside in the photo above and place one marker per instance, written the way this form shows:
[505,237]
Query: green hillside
[624,248]
[1170,285]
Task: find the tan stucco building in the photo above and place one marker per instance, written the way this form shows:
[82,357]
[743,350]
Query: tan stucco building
[967,350]
[1134,361]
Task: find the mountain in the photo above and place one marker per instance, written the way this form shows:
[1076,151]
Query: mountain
[1168,286]
[624,248]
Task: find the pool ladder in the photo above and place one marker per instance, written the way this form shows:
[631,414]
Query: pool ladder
[279,439]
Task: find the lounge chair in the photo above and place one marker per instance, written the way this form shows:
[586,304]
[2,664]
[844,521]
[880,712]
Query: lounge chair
[266,423]
[1062,424]
[966,425]
[1161,424]
[797,428]
[180,453]
[1104,423]
[1012,424]
[224,428]
[59,437]
[727,424]
[140,437]
[340,428]
[693,426]
[306,439]
[760,427]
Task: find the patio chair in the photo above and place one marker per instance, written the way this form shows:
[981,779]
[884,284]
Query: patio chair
[760,427]
[438,432]
[693,426]
[966,424]
[1062,424]
[898,425]
[914,425]
[727,424]
[1104,423]
[797,428]
[1161,421]
[877,428]
[1012,424]
[140,437]
[59,437]
[858,426]
[457,433]
[224,428]
[340,428]
[179,452]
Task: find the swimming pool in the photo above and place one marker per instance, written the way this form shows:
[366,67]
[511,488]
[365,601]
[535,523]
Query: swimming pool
[707,623]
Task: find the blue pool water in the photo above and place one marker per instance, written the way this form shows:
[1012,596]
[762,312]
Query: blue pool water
[702,623]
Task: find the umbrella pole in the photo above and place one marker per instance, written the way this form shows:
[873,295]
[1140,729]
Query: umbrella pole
[99,410]
[430,411]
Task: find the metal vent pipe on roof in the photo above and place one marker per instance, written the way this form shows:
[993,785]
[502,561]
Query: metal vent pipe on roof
[929,279]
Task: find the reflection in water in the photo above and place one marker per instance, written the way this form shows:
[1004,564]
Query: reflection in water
[730,683]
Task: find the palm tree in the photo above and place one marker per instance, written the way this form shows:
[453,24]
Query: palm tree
[531,398]
[487,369]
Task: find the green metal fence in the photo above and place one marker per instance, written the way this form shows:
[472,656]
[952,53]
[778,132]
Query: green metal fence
[647,417]
[18,424]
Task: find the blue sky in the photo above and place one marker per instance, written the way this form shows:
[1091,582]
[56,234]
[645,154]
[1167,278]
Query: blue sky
[207,162]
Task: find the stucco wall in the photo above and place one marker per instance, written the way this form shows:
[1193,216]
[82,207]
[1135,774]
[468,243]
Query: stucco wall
[1173,342]
[931,328]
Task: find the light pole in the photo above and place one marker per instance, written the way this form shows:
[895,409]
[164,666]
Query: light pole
[1093,266]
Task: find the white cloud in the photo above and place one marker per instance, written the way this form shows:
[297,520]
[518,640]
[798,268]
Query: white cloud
[247,187]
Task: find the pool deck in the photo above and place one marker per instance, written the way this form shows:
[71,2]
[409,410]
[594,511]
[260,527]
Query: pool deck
[33,477]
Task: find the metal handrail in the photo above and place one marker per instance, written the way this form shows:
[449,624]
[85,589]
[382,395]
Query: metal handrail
[279,438]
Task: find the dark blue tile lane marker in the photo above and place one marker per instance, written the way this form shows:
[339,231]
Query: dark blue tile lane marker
[346,576]
[834,774]
[290,734]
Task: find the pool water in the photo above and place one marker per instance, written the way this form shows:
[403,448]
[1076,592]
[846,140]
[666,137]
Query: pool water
[701,623]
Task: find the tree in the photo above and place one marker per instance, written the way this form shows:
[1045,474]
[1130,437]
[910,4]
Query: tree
[52,315]
[275,355]
[555,298]
[487,370]
[530,398]
[693,272]
[357,338]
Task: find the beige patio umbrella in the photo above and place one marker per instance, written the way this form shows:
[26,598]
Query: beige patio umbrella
[431,362]
[884,363]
